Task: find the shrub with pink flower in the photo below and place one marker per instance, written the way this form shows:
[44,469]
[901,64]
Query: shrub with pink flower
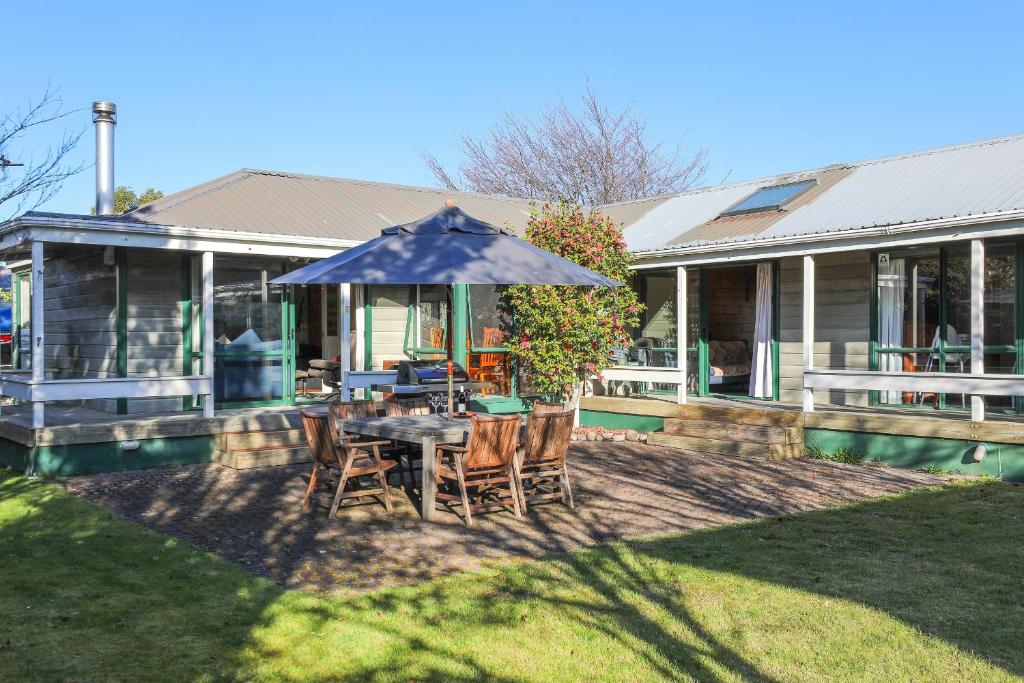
[559,335]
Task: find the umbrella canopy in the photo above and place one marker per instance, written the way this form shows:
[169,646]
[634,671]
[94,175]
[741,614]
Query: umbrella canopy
[446,248]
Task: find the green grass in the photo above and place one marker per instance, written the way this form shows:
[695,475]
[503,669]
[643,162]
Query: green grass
[922,586]
[843,455]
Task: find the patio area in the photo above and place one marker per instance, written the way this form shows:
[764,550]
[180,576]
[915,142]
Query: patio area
[622,489]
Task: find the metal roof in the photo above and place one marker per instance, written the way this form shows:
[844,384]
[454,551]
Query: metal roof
[962,180]
[272,202]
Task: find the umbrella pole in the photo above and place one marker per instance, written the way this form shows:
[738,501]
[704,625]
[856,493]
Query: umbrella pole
[451,404]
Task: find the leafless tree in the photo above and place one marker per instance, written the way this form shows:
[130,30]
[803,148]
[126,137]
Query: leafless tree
[24,185]
[593,156]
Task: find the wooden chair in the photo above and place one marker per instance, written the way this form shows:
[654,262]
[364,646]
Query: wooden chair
[493,366]
[409,406]
[337,461]
[542,472]
[542,407]
[339,411]
[486,463]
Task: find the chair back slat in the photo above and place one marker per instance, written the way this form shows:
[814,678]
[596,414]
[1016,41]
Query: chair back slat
[492,441]
[339,411]
[548,435]
[540,407]
[407,406]
[318,437]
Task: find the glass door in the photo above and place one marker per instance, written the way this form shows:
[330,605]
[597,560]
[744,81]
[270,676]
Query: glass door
[254,327]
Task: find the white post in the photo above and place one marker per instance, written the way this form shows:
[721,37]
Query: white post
[808,331]
[681,332]
[208,346]
[358,303]
[977,323]
[38,330]
[345,311]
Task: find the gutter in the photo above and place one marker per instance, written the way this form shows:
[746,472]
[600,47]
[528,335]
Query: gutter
[170,231]
[834,236]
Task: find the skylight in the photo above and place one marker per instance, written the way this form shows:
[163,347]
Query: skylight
[769,198]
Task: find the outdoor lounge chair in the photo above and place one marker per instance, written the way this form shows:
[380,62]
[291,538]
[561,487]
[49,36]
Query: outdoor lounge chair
[485,464]
[542,472]
[337,461]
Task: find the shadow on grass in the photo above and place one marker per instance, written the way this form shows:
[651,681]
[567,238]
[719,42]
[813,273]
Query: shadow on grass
[85,595]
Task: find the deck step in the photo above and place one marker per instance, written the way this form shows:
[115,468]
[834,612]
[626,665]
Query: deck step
[245,459]
[740,415]
[728,431]
[231,441]
[751,449]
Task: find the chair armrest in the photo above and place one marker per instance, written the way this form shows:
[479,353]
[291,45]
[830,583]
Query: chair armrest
[450,447]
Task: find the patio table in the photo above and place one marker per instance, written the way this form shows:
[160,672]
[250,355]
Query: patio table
[426,430]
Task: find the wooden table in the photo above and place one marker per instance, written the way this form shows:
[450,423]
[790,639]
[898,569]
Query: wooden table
[425,430]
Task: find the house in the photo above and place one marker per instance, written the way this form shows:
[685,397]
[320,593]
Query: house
[823,307]
[879,299]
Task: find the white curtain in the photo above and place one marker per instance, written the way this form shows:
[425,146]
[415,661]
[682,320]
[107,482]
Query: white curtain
[761,380]
[892,287]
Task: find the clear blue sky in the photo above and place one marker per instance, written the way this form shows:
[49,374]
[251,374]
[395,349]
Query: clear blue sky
[356,91]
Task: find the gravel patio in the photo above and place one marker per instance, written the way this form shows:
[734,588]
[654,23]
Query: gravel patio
[622,490]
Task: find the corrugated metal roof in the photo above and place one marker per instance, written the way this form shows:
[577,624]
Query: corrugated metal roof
[315,206]
[950,182]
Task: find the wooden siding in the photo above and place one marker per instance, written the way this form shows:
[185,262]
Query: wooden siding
[732,304]
[154,288]
[80,301]
[389,316]
[842,323]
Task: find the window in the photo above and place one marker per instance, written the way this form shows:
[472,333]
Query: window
[924,318]
[486,362]
[769,198]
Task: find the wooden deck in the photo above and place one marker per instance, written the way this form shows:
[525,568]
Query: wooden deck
[1008,429]
[75,425]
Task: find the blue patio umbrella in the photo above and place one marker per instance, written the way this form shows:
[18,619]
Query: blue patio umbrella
[449,247]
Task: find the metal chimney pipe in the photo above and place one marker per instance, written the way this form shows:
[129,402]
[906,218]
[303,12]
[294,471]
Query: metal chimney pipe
[104,116]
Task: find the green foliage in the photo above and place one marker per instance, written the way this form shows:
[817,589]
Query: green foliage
[843,455]
[126,200]
[561,335]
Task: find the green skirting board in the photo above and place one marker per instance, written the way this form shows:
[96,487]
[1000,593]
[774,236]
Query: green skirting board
[95,458]
[641,423]
[913,452]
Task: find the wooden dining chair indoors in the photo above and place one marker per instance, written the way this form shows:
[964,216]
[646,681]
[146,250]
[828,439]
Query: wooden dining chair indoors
[542,471]
[484,464]
[336,462]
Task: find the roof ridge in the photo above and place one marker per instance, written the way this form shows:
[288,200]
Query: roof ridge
[189,194]
[380,183]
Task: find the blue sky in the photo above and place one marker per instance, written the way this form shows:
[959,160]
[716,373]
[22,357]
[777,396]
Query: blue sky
[357,90]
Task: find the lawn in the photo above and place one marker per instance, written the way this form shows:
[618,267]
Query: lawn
[925,585]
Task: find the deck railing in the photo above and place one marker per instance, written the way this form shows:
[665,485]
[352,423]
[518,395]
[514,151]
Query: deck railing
[38,392]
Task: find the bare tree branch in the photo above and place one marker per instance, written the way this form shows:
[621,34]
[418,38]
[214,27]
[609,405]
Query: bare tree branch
[592,156]
[23,188]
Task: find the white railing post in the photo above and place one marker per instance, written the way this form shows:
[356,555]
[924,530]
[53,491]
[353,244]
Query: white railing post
[208,345]
[38,307]
[345,311]
[681,342]
[808,330]
[977,323]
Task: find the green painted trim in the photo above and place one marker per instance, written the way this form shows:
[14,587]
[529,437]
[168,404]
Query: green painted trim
[96,458]
[640,423]
[460,321]
[703,383]
[16,320]
[289,346]
[1005,460]
[121,269]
